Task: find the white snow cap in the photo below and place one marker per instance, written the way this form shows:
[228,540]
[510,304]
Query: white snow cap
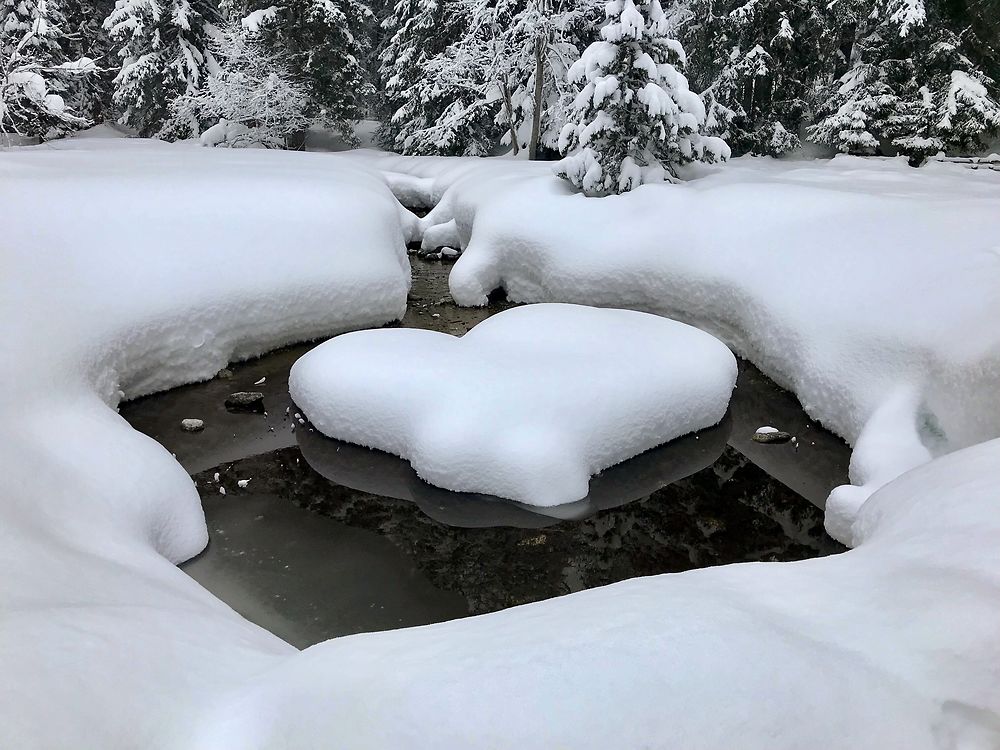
[542,397]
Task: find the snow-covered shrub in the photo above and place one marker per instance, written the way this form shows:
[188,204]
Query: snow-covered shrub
[165,54]
[34,71]
[253,100]
[634,118]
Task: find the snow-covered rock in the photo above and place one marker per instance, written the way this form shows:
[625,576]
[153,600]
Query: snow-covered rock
[869,289]
[541,397]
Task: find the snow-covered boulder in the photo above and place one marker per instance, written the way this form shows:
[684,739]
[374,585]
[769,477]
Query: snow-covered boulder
[540,397]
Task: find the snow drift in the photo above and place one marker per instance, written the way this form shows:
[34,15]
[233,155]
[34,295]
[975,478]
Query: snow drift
[129,267]
[103,642]
[870,289]
[540,397]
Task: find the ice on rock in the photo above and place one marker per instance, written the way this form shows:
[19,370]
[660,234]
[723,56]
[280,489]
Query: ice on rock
[541,397]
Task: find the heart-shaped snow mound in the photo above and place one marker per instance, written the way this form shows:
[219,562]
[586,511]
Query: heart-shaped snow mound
[528,404]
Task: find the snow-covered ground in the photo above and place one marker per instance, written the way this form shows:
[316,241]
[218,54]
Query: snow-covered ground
[115,284]
[539,397]
[130,267]
[870,289]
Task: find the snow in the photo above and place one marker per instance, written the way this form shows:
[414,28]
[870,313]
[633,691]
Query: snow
[883,322]
[766,430]
[510,426]
[891,645]
[117,285]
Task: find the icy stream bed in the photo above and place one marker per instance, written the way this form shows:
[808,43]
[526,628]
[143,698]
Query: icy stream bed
[329,539]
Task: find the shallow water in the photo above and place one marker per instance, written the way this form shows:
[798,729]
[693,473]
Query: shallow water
[329,539]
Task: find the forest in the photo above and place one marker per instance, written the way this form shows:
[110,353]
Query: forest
[481,77]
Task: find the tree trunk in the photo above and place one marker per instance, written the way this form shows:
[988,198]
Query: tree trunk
[536,110]
[510,117]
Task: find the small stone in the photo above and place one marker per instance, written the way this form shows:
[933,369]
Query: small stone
[772,437]
[224,374]
[246,401]
[192,425]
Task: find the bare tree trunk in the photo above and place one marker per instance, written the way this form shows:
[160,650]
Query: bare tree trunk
[510,116]
[536,111]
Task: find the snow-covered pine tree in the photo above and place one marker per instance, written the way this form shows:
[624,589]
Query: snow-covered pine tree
[253,101]
[328,44]
[501,81]
[910,83]
[416,31]
[34,70]
[84,35]
[164,54]
[755,62]
[636,119]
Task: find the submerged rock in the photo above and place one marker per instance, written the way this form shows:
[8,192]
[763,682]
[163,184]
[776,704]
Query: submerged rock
[245,401]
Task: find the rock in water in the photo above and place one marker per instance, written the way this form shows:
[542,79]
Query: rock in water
[245,401]
[224,374]
[771,435]
[192,425]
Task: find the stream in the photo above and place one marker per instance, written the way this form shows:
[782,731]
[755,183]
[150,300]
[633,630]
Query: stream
[329,539]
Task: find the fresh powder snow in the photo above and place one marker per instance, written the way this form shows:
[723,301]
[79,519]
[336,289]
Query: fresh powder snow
[541,397]
[865,287]
[127,289]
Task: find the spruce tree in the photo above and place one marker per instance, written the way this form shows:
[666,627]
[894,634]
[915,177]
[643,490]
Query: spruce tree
[416,31]
[35,71]
[327,42]
[636,120]
[164,54]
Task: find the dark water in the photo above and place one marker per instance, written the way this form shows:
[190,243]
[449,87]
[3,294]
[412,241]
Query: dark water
[329,539]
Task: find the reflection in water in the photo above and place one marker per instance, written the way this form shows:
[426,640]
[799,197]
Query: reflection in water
[356,542]
[460,554]
[380,473]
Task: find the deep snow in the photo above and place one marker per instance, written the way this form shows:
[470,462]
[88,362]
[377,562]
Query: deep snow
[539,397]
[130,267]
[104,642]
[870,289]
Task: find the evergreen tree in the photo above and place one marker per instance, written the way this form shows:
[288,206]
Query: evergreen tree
[327,43]
[34,70]
[416,32]
[914,89]
[636,119]
[85,36]
[164,53]
[756,62]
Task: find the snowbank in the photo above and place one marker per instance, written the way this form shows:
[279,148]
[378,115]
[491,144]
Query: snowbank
[129,267]
[105,644]
[870,289]
[891,645]
[541,397]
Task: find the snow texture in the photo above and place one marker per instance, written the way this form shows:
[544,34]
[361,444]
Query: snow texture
[131,267]
[541,397]
[867,288]
[105,644]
